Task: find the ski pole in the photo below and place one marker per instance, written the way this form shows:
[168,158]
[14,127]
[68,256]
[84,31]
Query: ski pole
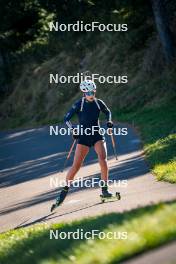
[114,146]
[69,153]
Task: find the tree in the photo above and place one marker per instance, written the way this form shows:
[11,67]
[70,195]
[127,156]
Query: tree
[20,23]
[164,32]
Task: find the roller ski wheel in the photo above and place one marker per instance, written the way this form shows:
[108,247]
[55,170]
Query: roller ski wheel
[54,206]
[118,196]
[111,197]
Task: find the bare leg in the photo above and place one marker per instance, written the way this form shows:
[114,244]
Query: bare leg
[80,154]
[100,148]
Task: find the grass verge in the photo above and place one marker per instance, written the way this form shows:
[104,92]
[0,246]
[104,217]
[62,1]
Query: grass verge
[146,228]
[157,127]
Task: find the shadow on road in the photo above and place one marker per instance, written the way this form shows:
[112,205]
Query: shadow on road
[31,154]
[121,171]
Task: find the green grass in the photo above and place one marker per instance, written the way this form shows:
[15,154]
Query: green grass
[157,127]
[146,227]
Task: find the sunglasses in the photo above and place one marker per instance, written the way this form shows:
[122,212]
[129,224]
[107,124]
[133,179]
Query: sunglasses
[90,93]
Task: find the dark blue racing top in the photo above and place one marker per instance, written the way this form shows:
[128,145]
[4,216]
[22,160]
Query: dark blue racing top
[87,112]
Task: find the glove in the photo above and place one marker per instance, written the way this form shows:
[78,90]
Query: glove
[74,136]
[109,124]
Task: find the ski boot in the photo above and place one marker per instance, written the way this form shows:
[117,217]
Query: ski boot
[107,196]
[60,199]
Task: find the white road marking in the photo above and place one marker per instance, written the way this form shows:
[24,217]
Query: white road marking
[73,201]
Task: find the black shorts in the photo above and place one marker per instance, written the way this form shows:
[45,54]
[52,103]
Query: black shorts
[90,140]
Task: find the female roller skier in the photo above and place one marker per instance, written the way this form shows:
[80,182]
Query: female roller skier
[88,109]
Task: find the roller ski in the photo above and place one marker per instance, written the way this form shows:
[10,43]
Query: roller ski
[60,199]
[107,196]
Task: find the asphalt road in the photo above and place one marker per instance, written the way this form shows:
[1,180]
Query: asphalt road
[30,161]
[163,255]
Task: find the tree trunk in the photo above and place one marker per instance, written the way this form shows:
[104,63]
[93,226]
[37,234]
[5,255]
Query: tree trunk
[163,29]
[4,71]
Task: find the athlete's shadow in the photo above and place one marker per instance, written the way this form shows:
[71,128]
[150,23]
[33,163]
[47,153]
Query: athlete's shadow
[53,215]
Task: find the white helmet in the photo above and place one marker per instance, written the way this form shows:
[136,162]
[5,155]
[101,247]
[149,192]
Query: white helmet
[87,86]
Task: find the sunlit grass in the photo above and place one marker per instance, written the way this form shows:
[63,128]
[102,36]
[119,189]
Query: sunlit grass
[157,129]
[166,172]
[146,229]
